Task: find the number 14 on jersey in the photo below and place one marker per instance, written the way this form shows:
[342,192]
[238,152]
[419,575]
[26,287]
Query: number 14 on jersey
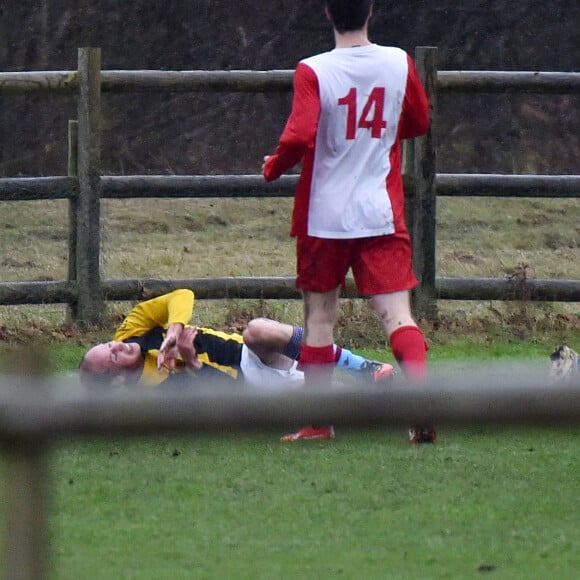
[371,116]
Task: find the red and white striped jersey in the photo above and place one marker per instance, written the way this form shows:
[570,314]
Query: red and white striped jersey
[350,109]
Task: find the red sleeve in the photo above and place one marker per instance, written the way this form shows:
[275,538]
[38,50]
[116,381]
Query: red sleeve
[300,131]
[415,113]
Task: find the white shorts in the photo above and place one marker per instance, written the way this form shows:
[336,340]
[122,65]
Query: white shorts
[261,376]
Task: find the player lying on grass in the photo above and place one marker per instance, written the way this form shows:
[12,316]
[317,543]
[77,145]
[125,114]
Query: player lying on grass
[155,345]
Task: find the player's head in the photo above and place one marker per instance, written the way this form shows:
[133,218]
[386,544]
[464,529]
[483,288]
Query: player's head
[110,364]
[349,15]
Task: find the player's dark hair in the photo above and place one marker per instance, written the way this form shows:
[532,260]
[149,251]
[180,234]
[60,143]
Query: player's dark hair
[349,15]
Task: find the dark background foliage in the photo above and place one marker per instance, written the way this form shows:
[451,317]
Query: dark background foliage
[218,133]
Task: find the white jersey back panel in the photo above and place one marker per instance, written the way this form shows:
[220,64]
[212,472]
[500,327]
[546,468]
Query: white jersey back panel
[361,89]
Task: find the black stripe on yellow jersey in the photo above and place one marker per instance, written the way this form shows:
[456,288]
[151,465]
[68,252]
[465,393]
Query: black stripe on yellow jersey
[220,351]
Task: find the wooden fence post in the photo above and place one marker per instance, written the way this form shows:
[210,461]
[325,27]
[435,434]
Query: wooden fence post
[26,478]
[72,171]
[89,306]
[422,213]
[26,488]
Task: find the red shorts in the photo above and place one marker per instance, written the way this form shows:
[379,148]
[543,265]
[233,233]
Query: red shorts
[380,265]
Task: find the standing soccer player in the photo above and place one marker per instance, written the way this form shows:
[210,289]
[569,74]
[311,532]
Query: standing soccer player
[351,108]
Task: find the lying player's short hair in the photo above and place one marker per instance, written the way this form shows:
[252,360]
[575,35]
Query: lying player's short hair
[93,379]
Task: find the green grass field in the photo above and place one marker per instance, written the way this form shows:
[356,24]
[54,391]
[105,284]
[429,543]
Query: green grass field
[366,505]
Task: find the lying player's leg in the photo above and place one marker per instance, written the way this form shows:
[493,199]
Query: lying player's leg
[269,339]
[278,345]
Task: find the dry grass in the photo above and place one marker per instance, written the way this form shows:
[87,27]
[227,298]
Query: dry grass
[476,237]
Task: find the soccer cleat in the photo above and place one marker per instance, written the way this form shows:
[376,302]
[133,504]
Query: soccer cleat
[380,372]
[422,435]
[311,433]
[383,372]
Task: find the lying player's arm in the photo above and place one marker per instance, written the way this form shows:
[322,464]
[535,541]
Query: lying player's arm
[186,348]
[173,308]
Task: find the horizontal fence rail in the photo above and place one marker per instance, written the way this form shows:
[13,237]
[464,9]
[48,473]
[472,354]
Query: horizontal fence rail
[199,186]
[36,188]
[47,408]
[496,185]
[509,82]
[121,81]
[283,288]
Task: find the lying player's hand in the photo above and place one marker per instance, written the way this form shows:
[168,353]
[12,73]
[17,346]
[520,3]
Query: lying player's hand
[186,348]
[167,354]
[168,348]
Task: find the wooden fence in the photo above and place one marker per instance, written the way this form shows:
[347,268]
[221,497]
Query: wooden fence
[85,186]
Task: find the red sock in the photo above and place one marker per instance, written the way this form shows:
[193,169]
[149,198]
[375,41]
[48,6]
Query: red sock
[317,362]
[410,349]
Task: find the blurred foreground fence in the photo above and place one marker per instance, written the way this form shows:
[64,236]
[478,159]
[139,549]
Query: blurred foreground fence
[84,186]
[36,413]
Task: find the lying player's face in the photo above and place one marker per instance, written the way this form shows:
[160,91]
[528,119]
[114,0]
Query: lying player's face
[115,356]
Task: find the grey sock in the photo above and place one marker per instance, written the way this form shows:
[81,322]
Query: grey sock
[292,349]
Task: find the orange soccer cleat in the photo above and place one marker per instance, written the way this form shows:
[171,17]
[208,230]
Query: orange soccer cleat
[377,371]
[326,432]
